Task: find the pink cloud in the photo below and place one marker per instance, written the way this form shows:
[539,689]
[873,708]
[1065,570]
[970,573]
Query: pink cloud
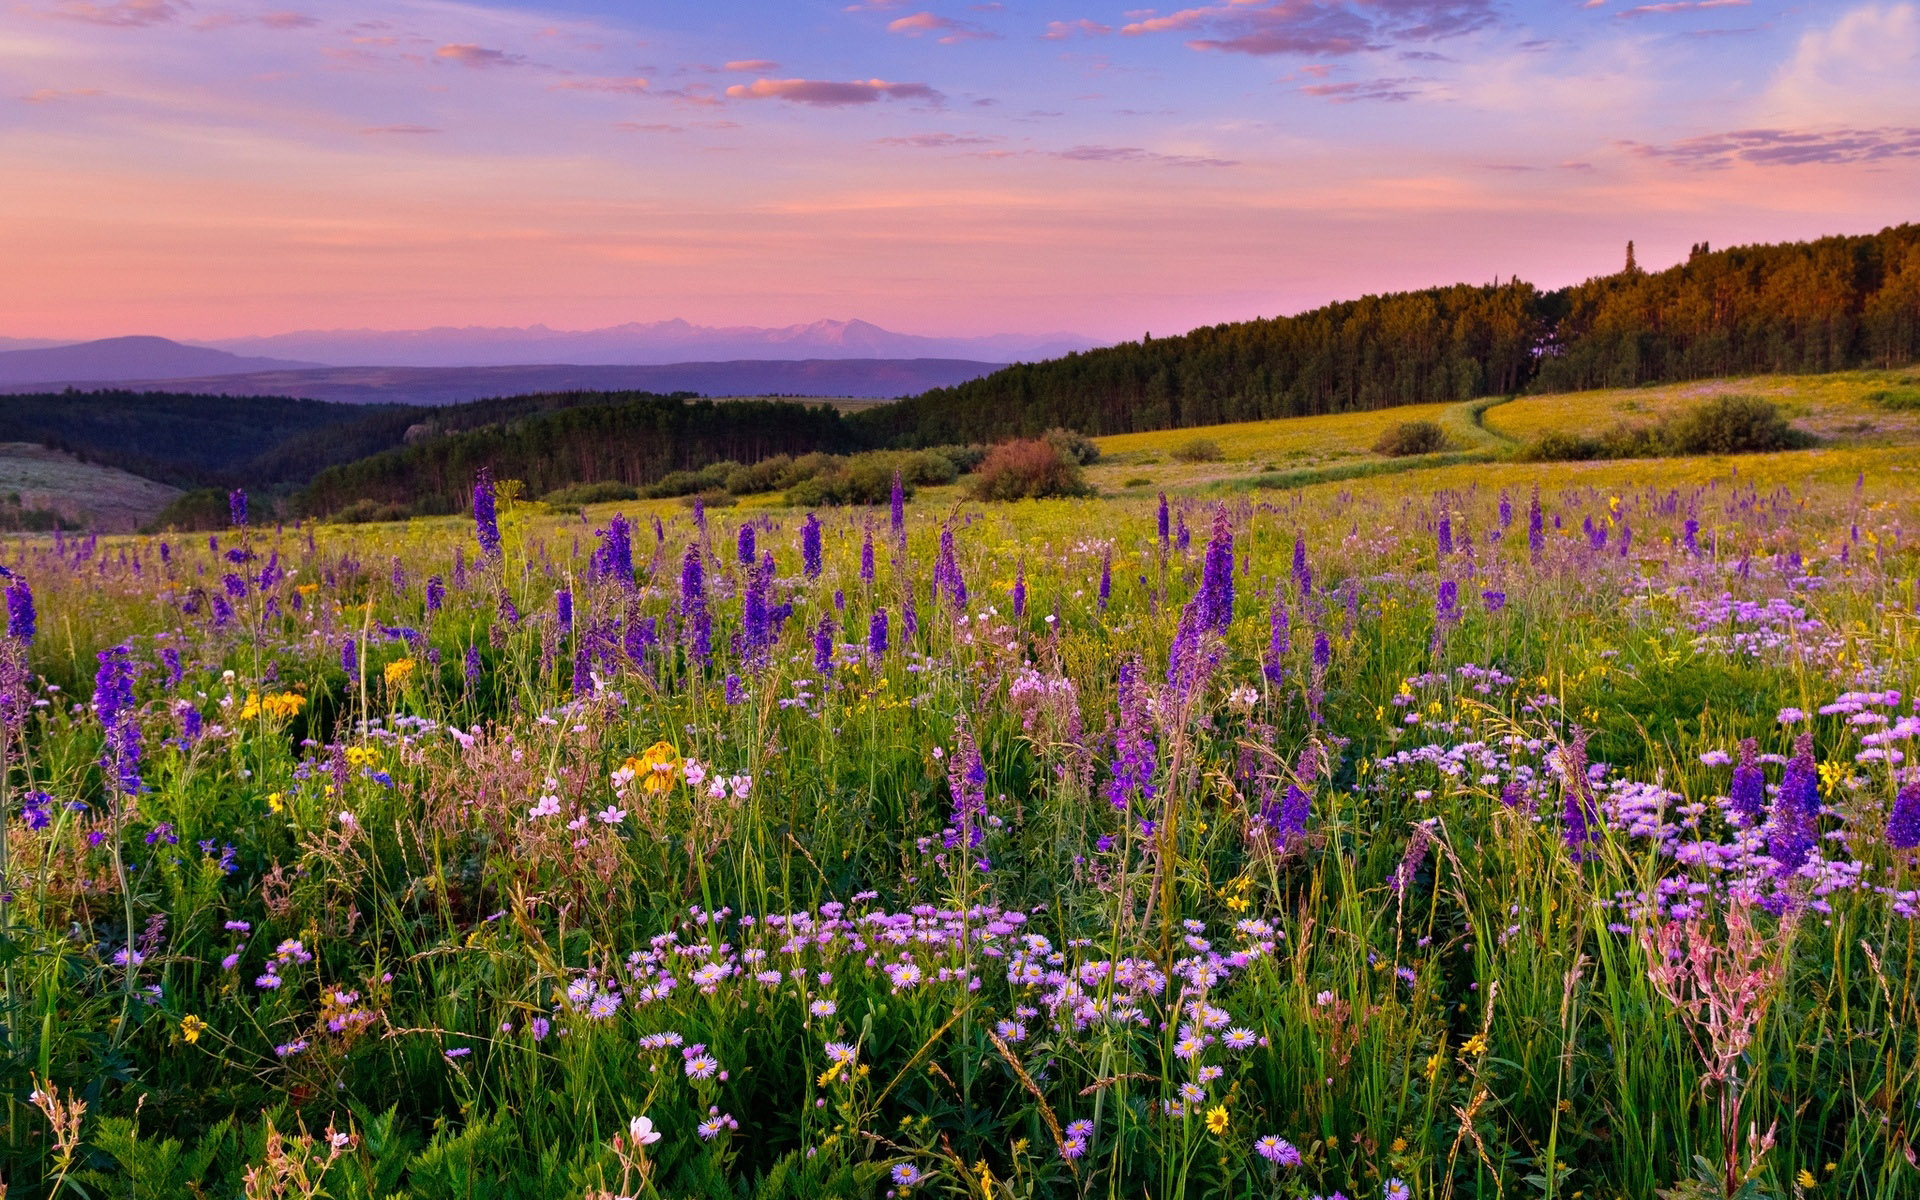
[1135,154]
[122,12]
[753,64]
[1678,6]
[1059,31]
[1787,148]
[951,31]
[47,95]
[378,130]
[829,94]
[469,55]
[937,141]
[1329,27]
[1364,89]
[630,86]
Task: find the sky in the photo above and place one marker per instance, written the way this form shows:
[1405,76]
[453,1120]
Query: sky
[219,168]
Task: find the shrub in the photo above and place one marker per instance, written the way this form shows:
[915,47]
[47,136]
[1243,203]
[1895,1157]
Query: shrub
[685,483]
[1408,438]
[711,498]
[1198,450]
[1077,446]
[1733,425]
[1138,481]
[763,476]
[365,512]
[200,509]
[581,494]
[965,459]
[1031,469]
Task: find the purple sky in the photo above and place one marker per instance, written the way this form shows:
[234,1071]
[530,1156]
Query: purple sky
[216,167]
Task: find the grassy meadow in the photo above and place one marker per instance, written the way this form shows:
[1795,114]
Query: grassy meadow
[1462,828]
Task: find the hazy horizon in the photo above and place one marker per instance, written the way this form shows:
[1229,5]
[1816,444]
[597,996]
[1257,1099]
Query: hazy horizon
[207,170]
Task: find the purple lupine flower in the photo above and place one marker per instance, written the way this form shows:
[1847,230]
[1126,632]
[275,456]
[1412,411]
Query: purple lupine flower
[839,600]
[1748,792]
[823,646]
[563,609]
[1493,599]
[734,692]
[642,633]
[1690,537]
[1216,576]
[1020,589]
[1322,650]
[810,546]
[235,586]
[1133,748]
[946,571]
[967,780]
[745,546]
[1106,578]
[897,508]
[21,619]
[756,628]
[1279,642]
[507,610]
[909,618]
[1302,573]
[1576,808]
[700,515]
[1162,523]
[222,612]
[693,576]
[350,657]
[237,506]
[1792,831]
[119,720]
[436,593]
[1626,537]
[486,524]
[866,557]
[1446,602]
[614,557]
[459,568]
[170,662]
[1506,510]
[1444,535]
[1903,823]
[1536,526]
[473,665]
[877,633]
[1182,536]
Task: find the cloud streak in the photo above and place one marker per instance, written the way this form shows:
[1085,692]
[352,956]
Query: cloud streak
[822,93]
[1319,27]
[1787,148]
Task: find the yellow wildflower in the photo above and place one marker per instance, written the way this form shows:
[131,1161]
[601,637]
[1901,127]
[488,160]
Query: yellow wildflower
[362,756]
[656,768]
[1217,1120]
[398,672]
[191,1027]
[1805,1178]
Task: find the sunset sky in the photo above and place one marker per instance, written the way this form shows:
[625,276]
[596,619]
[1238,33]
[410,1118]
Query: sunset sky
[216,168]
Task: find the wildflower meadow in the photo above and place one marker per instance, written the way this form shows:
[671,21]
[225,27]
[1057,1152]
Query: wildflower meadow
[1535,833]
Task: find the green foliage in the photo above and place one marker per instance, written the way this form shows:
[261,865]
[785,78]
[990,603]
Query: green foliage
[1034,469]
[579,495]
[1198,450]
[1408,438]
[1077,446]
[201,509]
[1825,305]
[1722,425]
[638,442]
[1905,398]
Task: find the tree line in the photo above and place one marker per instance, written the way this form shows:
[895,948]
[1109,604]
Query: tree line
[1830,304]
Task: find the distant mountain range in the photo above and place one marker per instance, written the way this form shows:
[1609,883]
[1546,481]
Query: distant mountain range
[636,344]
[878,379]
[116,360]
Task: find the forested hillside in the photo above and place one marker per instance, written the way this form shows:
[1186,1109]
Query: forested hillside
[1812,306]
[635,441]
